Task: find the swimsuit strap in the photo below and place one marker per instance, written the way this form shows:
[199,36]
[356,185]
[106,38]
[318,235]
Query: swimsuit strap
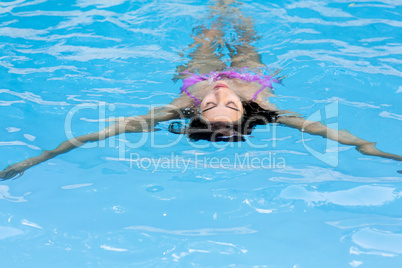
[242,73]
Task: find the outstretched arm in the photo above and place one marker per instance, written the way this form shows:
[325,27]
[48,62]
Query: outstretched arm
[143,123]
[19,168]
[341,136]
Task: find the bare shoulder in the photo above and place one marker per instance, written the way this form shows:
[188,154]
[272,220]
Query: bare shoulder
[182,102]
[264,103]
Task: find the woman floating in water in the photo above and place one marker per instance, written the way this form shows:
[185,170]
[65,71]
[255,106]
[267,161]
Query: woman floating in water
[224,103]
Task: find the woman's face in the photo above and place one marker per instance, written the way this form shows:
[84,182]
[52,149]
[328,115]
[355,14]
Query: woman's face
[221,104]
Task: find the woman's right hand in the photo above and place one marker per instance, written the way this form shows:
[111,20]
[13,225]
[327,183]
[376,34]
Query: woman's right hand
[370,149]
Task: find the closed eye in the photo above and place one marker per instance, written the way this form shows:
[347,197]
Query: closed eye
[208,103]
[232,105]
[207,109]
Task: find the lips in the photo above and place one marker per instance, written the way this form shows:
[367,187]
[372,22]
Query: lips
[220,85]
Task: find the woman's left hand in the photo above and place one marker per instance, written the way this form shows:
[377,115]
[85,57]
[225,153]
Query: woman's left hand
[15,171]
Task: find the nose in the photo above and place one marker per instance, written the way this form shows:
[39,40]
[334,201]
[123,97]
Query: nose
[220,95]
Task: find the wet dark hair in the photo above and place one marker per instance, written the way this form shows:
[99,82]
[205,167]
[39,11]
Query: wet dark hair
[201,129]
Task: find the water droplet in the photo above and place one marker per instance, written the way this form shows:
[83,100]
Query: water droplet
[154,189]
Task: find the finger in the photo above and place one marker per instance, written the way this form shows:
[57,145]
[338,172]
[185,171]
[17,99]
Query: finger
[9,174]
[4,176]
[21,173]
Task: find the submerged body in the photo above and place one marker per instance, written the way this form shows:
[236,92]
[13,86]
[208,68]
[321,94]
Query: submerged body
[216,96]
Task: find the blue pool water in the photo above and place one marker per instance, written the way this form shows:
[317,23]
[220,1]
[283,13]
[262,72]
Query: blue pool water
[65,66]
